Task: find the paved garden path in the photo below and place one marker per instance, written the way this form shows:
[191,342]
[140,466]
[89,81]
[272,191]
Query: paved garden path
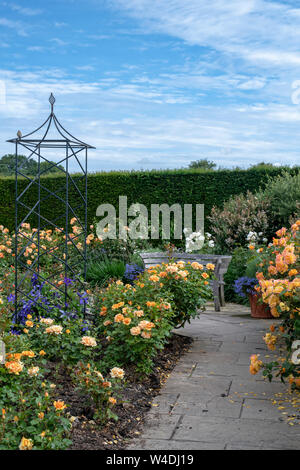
[210,401]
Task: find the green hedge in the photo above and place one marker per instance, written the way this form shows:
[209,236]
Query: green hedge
[146,187]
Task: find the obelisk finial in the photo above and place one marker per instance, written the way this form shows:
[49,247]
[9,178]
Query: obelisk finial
[51,101]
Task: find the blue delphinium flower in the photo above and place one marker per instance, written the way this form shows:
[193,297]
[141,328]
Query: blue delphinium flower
[83,298]
[85,326]
[11,298]
[39,301]
[68,281]
[15,331]
[243,286]
[132,271]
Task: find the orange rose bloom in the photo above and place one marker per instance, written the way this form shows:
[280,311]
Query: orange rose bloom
[135,331]
[59,405]
[119,318]
[28,354]
[88,341]
[14,367]
[146,335]
[293,272]
[210,266]
[138,313]
[154,278]
[163,274]
[106,384]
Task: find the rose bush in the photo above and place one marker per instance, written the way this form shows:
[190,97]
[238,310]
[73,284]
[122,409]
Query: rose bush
[137,319]
[188,285]
[101,391]
[30,417]
[68,342]
[132,322]
[135,327]
[279,285]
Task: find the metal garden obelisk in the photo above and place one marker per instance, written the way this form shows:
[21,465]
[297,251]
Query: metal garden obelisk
[52,203]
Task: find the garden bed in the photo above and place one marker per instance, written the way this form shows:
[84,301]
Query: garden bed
[137,397]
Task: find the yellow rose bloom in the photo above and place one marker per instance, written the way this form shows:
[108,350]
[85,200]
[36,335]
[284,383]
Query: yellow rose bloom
[26,444]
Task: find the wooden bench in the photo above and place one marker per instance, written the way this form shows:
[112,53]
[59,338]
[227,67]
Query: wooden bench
[225,261]
[221,265]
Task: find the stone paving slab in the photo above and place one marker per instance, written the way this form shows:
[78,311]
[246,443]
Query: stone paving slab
[235,430]
[164,403]
[218,369]
[155,444]
[160,426]
[211,401]
[249,348]
[262,446]
[259,409]
[211,358]
[198,387]
[262,389]
[216,406]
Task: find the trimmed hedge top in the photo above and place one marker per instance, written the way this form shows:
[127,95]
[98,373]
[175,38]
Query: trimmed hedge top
[145,187]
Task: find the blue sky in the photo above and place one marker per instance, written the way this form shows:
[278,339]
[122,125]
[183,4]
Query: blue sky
[156,83]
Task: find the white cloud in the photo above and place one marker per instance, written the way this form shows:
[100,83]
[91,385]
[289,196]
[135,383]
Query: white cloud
[85,68]
[35,48]
[22,10]
[15,25]
[58,24]
[59,42]
[274,57]
[253,84]
[254,30]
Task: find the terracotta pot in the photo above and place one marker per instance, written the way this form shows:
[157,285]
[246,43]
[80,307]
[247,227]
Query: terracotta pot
[258,309]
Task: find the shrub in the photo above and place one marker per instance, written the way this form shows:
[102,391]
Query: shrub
[100,391]
[236,269]
[30,416]
[283,193]
[68,341]
[137,319]
[99,273]
[188,284]
[260,213]
[136,322]
[279,285]
[240,215]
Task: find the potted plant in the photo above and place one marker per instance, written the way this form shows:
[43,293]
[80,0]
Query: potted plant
[245,287]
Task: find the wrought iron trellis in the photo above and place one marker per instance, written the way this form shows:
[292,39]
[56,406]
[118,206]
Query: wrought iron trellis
[37,144]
